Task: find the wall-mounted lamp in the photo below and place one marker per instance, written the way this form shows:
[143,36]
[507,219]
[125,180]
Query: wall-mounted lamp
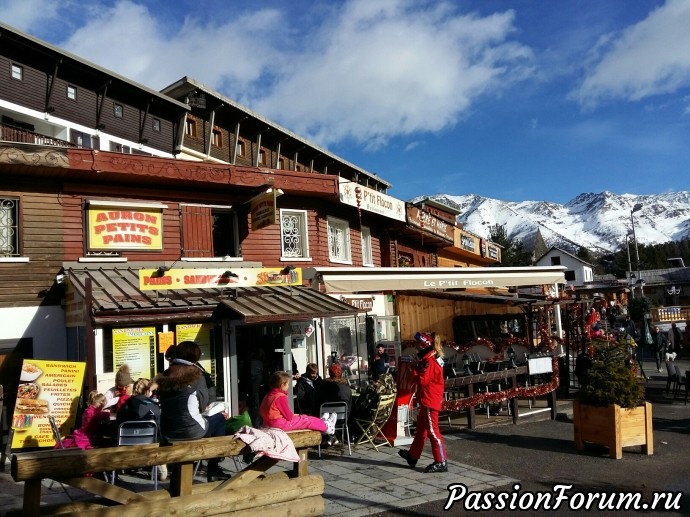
[160,271]
[286,270]
[100,126]
[229,274]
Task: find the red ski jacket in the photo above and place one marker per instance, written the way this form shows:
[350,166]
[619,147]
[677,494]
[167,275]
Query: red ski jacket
[430,382]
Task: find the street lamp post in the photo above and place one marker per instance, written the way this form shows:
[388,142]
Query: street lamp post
[636,208]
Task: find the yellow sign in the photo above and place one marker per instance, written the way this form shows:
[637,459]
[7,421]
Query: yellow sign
[120,228]
[263,209]
[201,334]
[165,341]
[135,347]
[45,388]
[154,279]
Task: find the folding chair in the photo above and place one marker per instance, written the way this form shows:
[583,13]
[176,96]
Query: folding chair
[371,427]
[138,432]
[339,408]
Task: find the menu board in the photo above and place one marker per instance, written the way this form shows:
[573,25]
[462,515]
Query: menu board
[201,333]
[135,347]
[45,388]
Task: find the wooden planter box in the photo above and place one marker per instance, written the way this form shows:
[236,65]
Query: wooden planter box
[614,426]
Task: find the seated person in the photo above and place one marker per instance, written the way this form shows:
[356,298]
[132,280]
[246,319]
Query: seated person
[275,410]
[335,388]
[118,394]
[140,406]
[183,398]
[95,427]
[307,387]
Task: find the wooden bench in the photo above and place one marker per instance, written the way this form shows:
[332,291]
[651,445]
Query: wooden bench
[296,493]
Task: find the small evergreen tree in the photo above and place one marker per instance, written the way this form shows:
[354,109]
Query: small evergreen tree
[611,377]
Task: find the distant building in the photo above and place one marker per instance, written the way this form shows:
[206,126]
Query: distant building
[578,272]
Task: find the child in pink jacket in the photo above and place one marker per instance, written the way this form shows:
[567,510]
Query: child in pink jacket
[275,410]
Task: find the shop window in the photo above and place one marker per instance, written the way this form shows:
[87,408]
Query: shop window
[293,232]
[9,227]
[118,111]
[210,231]
[71,92]
[17,72]
[339,241]
[367,252]
[156,125]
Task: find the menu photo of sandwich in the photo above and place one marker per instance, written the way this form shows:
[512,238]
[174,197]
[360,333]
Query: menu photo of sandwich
[32,406]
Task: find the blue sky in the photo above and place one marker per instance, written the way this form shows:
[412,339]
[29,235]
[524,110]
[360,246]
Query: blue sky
[515,100]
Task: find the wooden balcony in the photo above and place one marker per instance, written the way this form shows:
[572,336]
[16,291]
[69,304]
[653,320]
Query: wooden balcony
[670,314]
[15,134]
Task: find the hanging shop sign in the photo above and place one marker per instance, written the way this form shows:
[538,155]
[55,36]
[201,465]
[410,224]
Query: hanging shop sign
[430,223]
[135,347]
[467,242]
[371,200]
[263,209]
[117,226]
[46,388]
[161,278]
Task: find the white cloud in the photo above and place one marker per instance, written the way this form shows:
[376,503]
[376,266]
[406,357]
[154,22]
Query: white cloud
[648,58]
[388,68]
[367,71]
[26,15]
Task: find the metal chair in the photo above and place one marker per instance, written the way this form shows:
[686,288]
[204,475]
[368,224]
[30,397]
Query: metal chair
[371,427]
[672,378]
[340,409]
[138,432]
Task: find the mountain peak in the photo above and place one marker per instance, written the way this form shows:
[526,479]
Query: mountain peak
[598,221]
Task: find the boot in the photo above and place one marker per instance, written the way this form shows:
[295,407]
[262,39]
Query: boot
[214,472]
[437,466]
[405,454]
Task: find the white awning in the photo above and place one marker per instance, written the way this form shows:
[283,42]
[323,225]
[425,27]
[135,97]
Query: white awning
[351,280]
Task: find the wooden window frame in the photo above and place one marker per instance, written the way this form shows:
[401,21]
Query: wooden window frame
[156,125]
[367,247]
[121,110]
[190,128]
[16,72]
[217,137]
[338,228]
[71,92]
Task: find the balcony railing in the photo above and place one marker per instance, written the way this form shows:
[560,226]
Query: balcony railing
[15,134]
[671,314]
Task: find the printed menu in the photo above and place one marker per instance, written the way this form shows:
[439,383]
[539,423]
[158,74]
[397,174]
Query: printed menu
[45,388]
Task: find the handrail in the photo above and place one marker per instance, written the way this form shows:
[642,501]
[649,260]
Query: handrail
[670,314]
[14,134]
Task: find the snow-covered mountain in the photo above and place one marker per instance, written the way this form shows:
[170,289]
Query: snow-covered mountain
[597,221]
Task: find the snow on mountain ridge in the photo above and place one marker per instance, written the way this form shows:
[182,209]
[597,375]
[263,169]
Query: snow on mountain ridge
[598,221]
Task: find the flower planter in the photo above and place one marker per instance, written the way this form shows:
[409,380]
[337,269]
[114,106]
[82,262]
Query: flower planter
[614,426]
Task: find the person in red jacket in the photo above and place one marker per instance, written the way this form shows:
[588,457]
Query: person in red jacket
[430,387]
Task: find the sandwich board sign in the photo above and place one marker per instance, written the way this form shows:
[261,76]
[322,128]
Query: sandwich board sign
[46,388]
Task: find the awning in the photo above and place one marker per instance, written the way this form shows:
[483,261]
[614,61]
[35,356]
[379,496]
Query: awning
[257,304]
[352,280]
[117,299]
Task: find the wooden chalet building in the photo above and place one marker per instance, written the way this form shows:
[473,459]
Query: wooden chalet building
[132,219]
